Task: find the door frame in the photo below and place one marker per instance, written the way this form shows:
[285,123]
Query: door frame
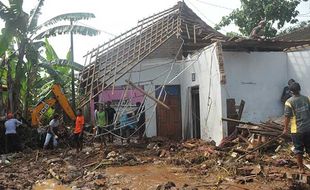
[195,107]
[180,103]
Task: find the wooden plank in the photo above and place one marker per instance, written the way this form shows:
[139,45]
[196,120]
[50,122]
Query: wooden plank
[188,35]
[240,109]
[261,146]
[93,76]
[115,72]
[244,139]
[239,121]
[195,34]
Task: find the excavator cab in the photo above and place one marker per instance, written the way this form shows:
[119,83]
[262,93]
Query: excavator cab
[45,103]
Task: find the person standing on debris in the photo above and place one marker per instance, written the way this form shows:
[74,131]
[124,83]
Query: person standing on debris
[78,130]
[110,118]
[140,113]
[258,31]
[101,122]
[52,131]
[297,113]
[11,137]
[286,94]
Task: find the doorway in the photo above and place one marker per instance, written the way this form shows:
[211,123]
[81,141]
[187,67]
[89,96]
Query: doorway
[168,121]
[195,112]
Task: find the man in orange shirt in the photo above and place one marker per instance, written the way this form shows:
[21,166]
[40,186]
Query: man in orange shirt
[78,130]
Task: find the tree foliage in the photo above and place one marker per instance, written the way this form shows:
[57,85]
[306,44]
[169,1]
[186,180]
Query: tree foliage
[28,62]
[251,12]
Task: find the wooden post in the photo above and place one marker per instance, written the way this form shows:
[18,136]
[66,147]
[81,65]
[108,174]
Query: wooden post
[188,35]
[72,69]
[194,34]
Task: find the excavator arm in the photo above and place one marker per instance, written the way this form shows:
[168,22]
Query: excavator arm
[63,101]
[40,109]
[43,106]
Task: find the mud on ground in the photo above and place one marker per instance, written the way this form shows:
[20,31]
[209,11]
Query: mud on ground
[154,164]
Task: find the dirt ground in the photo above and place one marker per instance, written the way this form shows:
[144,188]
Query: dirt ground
[154,164]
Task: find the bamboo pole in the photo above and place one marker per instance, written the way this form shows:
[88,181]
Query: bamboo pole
[147,94]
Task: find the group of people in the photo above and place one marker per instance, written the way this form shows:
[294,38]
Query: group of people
[104,125]
[128,121]
[104,118]
[297,116]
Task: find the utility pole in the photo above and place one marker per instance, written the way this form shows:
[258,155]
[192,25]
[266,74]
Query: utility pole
[72,68]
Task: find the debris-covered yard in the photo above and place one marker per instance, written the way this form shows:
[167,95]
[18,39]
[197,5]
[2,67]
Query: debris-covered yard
[172,76]
[156,163]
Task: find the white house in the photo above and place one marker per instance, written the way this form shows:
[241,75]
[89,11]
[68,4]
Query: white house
[257,77]
[177,58]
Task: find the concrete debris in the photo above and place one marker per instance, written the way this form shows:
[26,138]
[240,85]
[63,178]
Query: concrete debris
[209,166]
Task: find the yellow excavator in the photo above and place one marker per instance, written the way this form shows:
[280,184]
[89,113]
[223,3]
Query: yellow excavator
[58,97]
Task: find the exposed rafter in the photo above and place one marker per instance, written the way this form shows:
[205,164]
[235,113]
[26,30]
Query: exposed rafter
[110,61]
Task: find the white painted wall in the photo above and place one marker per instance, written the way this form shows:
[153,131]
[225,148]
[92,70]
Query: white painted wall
[206,68]
[258,78]
[299,69]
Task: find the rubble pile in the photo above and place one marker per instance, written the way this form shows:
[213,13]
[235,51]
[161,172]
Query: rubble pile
[25,169]
[248,161]
[269,128]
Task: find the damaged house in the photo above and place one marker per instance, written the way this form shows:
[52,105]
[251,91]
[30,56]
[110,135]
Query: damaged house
[189,76]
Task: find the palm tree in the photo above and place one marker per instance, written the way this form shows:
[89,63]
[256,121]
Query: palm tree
[24,31]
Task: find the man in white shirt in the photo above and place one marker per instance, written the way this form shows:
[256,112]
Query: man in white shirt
[11,138]
[52,132]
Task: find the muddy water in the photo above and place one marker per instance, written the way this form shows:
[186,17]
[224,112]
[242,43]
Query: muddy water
[49,184]
[145,177]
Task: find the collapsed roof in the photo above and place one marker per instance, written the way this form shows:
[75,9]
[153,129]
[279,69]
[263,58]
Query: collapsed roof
[248,45]
[112,60]
[299,34]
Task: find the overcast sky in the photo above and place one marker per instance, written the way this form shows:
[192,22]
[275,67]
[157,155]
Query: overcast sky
[116,16]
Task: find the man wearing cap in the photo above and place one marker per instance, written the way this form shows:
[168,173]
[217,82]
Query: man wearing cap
[11,137]
[258,31]
[297,113]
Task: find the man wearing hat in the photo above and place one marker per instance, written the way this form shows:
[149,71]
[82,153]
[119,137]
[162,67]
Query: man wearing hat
[11,137]
[258,31]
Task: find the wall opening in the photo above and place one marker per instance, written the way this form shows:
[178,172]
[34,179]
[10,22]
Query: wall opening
[195,112]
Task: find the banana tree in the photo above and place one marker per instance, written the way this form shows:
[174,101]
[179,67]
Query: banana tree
[28,37]
[72,29]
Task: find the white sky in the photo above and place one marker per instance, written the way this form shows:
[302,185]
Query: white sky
[117,16]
